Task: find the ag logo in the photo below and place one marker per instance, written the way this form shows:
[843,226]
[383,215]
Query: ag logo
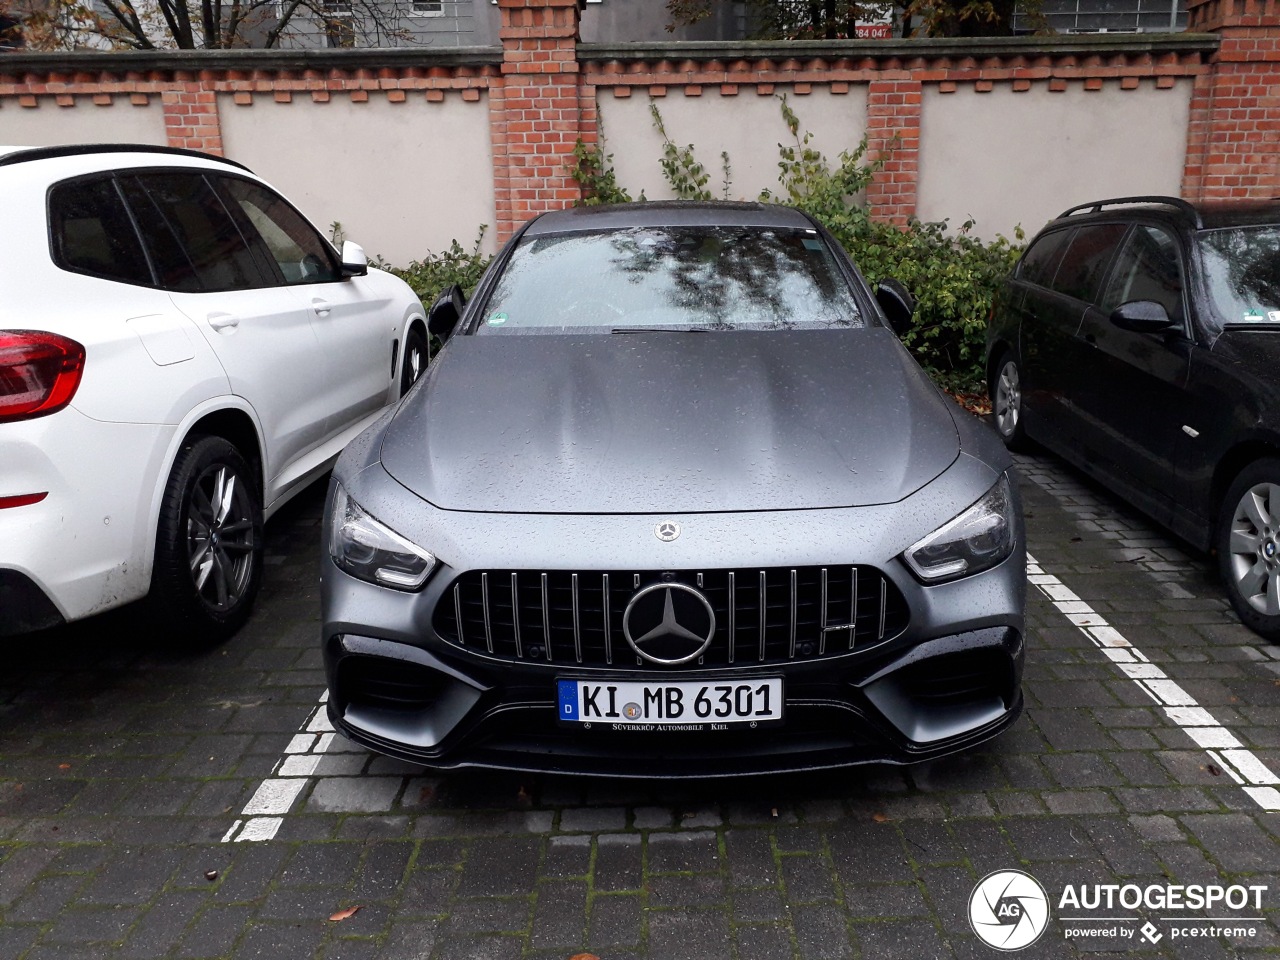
[1008,910]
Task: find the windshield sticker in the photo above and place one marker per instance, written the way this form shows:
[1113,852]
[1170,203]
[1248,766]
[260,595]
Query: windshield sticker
[498,319]
[811,244]
[1273,316]
[1252,316]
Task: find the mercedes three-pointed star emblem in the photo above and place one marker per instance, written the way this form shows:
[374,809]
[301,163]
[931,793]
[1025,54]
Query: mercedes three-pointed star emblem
[667,531]
[669,623]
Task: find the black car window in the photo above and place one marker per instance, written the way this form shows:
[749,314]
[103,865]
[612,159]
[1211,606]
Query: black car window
[712,278]
[1148,268]
[301,254]
[1242,272]
[1080,272]
[90,232]
[193,240]
[1040,262]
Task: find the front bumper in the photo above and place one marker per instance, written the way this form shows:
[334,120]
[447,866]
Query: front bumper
[930,700]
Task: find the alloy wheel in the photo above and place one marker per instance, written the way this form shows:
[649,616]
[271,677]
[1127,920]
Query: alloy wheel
[1254,547]
[1008,399]
[220,537]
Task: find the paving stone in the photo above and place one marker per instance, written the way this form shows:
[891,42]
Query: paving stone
[488,915]
[593,819]
[615,921]
[881,901]
[567,857]
[619,858]
[762,941]
[868,854]
[271,941]
[689,933]
[753,906]
[354,795]
[496,867]
[560,915]
[410,941]
[699,890]
[1235,842]
[807,878]
[901,940]
[696,850]
[750,858]
[215,931]
[821,932]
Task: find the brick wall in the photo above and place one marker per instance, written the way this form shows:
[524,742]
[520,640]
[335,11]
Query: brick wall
[1233,138]
[543,87]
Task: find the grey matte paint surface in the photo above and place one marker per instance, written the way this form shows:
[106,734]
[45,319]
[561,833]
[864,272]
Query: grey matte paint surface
[646,423]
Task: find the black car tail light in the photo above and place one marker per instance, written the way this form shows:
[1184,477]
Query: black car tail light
[39,373]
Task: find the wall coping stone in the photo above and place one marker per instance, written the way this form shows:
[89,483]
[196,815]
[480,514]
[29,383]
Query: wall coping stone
[192,61]
[1086,44]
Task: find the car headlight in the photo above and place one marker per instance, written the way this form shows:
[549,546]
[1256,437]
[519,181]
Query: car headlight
[976,540]
[372,551]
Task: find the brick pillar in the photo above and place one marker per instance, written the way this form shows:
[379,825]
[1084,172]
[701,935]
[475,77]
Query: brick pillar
[1233,138]
[893,129]
[537,110]
[191,117]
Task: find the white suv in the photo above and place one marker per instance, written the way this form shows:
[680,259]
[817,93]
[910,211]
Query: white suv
[180,353]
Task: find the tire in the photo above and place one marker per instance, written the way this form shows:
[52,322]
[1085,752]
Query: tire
[1005,391]
[415,359]
[1248,546]
[208,564]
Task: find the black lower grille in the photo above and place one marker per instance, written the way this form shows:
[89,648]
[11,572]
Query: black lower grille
[773,615]
[956,679]
[388,684]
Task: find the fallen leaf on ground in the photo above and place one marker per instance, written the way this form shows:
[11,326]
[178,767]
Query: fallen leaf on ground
[344,914]
[1214,769]
[584,956]
[880,817]
[64,766]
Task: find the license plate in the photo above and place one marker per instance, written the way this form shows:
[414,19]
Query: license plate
[671,705]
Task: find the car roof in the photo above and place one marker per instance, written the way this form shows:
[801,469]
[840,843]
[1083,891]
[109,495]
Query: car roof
[668,214]
[1199,215]
[16,154]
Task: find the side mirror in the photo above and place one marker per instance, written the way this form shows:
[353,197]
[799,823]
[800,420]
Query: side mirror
[354,262]
[1142,316]
[446,312]
[898,305]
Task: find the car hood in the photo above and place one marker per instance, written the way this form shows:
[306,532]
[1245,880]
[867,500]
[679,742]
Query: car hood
[671,423]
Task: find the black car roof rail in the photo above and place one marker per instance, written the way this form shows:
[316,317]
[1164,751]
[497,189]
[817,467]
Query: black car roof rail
[79,149]
[1176,202]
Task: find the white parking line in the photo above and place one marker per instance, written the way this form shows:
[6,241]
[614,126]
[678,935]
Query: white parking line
[264,813]
[1179,706]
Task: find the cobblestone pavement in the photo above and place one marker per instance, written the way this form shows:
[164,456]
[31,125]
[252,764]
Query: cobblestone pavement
[134,781]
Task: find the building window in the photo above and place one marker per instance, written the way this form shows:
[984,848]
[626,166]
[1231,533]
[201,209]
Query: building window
[428,8]
[337,8]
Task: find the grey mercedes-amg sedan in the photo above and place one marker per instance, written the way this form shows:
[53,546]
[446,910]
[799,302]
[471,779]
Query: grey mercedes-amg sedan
[673,500]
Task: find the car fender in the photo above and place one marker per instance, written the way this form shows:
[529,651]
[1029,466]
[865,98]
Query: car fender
[144,544]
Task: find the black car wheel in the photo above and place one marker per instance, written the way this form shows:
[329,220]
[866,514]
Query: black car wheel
[1248,544]
[208,545]
[415,359]
[1005,391]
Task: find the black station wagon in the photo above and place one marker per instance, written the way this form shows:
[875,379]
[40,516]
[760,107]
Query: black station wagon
[1139,338]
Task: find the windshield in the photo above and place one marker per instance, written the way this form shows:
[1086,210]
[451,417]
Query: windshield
[671,278]
[1242,269]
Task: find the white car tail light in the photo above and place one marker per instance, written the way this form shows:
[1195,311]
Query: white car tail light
[39,373]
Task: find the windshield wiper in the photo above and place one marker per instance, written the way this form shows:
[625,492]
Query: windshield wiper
[661,330]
